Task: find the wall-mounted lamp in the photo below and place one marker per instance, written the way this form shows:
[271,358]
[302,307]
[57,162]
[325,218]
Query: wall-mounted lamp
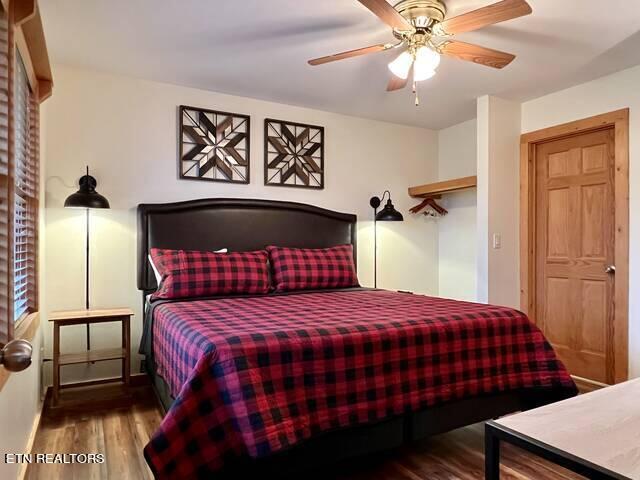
[387,214]
[88,198]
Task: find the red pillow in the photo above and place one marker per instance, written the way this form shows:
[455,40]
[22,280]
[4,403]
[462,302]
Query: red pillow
[200,274]
[307,268]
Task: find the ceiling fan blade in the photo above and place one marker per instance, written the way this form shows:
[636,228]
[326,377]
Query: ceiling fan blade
[397,83]
[476,54]
[387,14]
[492,14]
[351,53]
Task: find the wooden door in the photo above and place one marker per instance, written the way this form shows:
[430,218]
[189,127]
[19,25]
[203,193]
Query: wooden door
[574,250]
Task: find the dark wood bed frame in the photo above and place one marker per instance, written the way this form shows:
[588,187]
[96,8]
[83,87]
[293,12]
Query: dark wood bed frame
[241,225]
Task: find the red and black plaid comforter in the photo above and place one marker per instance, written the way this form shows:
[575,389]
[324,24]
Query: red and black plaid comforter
[252,376]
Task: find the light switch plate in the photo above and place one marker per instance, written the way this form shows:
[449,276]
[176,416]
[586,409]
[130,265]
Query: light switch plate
[497,241]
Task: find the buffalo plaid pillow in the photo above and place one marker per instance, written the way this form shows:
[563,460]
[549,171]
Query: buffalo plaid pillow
[199,274]
[306,268]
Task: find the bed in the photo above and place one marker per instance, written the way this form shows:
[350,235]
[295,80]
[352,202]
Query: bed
[281,383]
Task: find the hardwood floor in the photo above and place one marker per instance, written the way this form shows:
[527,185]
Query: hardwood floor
[457,455]
[121,434]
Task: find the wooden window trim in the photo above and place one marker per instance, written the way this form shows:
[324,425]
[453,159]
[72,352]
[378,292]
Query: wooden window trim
[30,42]
[24,327]
[619,120]
[23,49]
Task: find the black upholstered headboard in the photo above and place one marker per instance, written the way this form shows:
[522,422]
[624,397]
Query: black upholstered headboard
[238,225]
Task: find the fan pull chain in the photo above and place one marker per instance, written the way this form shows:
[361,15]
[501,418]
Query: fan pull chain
[415,91]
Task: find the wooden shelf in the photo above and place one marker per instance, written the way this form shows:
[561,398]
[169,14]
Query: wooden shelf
[89,314]
[433,189]
[92,356]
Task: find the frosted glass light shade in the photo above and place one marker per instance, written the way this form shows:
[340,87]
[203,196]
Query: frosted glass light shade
[425,65]
[422,74]
[427,59]
[400,66]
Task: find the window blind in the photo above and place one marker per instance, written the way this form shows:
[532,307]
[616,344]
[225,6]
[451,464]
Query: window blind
[25,213]
[5,327]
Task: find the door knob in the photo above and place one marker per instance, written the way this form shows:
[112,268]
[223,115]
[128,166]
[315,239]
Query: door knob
[610,269]
[16,355]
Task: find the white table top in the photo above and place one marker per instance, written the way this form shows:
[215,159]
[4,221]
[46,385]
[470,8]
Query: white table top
[602,427]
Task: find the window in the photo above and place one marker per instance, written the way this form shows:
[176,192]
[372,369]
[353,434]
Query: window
[22,85]
[25,213]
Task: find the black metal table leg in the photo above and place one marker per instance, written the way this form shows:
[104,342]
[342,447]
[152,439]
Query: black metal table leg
[491,454]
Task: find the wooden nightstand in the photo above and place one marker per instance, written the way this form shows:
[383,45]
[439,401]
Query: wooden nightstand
[81,317]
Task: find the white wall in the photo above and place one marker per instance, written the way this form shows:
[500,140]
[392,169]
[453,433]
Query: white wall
[614,92]
[457,152]
[125,130]
[498,201]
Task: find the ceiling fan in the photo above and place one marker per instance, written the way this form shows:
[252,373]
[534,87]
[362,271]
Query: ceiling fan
[424,33]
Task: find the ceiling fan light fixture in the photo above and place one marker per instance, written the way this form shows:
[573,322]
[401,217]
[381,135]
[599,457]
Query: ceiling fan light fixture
[401,66]
[417,24]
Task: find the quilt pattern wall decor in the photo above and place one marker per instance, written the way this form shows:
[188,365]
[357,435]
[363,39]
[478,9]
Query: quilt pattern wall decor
[214,145]
[293,154]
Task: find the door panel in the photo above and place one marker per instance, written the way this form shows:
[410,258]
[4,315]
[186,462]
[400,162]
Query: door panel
[557,291]
[559,164]
[574,244]
[558,224]
[594,316]
[594,159]
[594,203]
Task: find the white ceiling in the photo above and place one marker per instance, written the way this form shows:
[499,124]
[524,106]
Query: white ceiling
[259,49]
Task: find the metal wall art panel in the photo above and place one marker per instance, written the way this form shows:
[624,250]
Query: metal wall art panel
[293,154]
[214,145]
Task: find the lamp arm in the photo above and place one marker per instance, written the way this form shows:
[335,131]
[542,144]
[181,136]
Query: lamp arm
[375,202]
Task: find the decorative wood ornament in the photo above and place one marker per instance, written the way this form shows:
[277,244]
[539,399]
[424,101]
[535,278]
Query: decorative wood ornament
[293,154]
[214,145]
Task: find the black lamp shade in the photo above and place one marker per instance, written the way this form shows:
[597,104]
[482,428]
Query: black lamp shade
[86,196]
[389,214]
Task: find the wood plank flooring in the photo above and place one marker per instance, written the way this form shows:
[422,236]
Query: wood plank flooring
[121,434]
[457,455]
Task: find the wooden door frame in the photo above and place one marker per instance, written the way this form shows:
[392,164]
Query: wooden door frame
[619,120]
